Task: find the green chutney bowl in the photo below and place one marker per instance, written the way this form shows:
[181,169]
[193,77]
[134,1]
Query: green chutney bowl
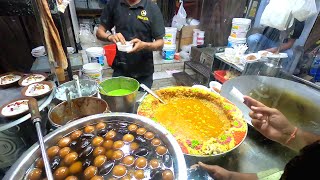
[120,93]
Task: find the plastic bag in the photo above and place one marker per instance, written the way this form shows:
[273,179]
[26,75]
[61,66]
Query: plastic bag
[276,14]
[180,19]
[303,9]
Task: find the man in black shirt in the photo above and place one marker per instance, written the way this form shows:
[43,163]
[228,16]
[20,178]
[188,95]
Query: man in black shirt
[138,21]
[269,41]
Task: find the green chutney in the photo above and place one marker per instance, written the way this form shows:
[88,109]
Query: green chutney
[119,92]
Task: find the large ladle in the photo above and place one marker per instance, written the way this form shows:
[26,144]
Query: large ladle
[36,120]
[151,92]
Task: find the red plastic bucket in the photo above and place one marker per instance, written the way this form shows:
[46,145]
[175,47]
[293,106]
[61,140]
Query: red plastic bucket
[110,52]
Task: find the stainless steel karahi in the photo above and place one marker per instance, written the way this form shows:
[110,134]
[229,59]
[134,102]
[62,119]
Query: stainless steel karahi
[248,84]
[20,167]
[88,88]
[193,159]
[64,112]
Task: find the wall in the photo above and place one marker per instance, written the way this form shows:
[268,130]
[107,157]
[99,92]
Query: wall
[216,19]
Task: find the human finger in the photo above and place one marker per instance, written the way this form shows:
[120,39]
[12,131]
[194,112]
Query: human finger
[254,115]
[134,49]
[263,110]
[258,123]
[121,38]
[210,168]
[116,38]
[249,101]
[134,40]
[113,39]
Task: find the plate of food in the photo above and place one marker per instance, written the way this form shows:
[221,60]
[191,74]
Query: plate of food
[32,78]
[9,79]
[264,53]
[249,58]
[15,108]
[204,123]
[37,90]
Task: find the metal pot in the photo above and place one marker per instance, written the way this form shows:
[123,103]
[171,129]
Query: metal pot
[120,103]
[80,107]
[19,169]
[88,88]
[298,102]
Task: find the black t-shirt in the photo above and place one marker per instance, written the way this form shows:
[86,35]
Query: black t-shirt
[274,34]
[143,21]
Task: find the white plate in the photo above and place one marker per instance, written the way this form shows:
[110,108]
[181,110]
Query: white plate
[280,55]
[215,85]
[244,59]
[201,87]
[264,53]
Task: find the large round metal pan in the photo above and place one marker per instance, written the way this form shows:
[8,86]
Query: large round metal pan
[249,84]
[18,170]
[193,157]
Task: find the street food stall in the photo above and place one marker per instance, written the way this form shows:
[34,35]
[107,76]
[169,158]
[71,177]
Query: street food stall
[77,121]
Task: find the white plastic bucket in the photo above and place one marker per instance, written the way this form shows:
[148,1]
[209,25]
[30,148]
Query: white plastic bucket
[200,37]
[170,36]
[240,27]
[168,52]
[232,42]
[201,33]
[95,55]
[93,71]
[194,37]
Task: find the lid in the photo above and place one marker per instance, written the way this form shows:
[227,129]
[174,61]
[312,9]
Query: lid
[95,50]
[92,66]
[241,20]
[170,29]
[169,46]
[230,38]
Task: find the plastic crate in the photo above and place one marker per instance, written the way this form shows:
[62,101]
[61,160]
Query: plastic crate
[219,75]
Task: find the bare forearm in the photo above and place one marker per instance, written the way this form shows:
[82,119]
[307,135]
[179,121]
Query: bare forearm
[102,34]
[301,139]
[243,176]
[283,46]
[155,45]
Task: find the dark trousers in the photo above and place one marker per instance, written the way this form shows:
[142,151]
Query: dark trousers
[146,80]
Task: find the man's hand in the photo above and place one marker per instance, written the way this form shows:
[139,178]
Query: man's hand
[272,50]
[269,122]
[220,173]
[216,172]
[117,38]
[138,45]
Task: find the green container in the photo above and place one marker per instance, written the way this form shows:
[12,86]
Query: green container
[120,93]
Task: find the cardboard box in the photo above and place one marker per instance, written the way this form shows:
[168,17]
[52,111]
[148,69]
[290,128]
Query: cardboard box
[185,36]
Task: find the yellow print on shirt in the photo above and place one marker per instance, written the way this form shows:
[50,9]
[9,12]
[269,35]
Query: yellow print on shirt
[142,18]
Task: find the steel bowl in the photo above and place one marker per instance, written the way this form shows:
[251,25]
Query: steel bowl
[23,164]
[87,87]
[81,107]
[120,103]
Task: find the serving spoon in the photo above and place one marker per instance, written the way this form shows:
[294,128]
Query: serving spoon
[36,120]
[151,92]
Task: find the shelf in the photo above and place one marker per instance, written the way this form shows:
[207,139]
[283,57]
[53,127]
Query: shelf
[85,12]
[184,79]
[221,57]
[199,68]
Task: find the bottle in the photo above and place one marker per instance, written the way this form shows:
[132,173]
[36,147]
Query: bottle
[315,68]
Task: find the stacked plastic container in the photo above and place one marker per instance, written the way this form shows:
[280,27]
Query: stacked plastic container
[169,48]
[239,30]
